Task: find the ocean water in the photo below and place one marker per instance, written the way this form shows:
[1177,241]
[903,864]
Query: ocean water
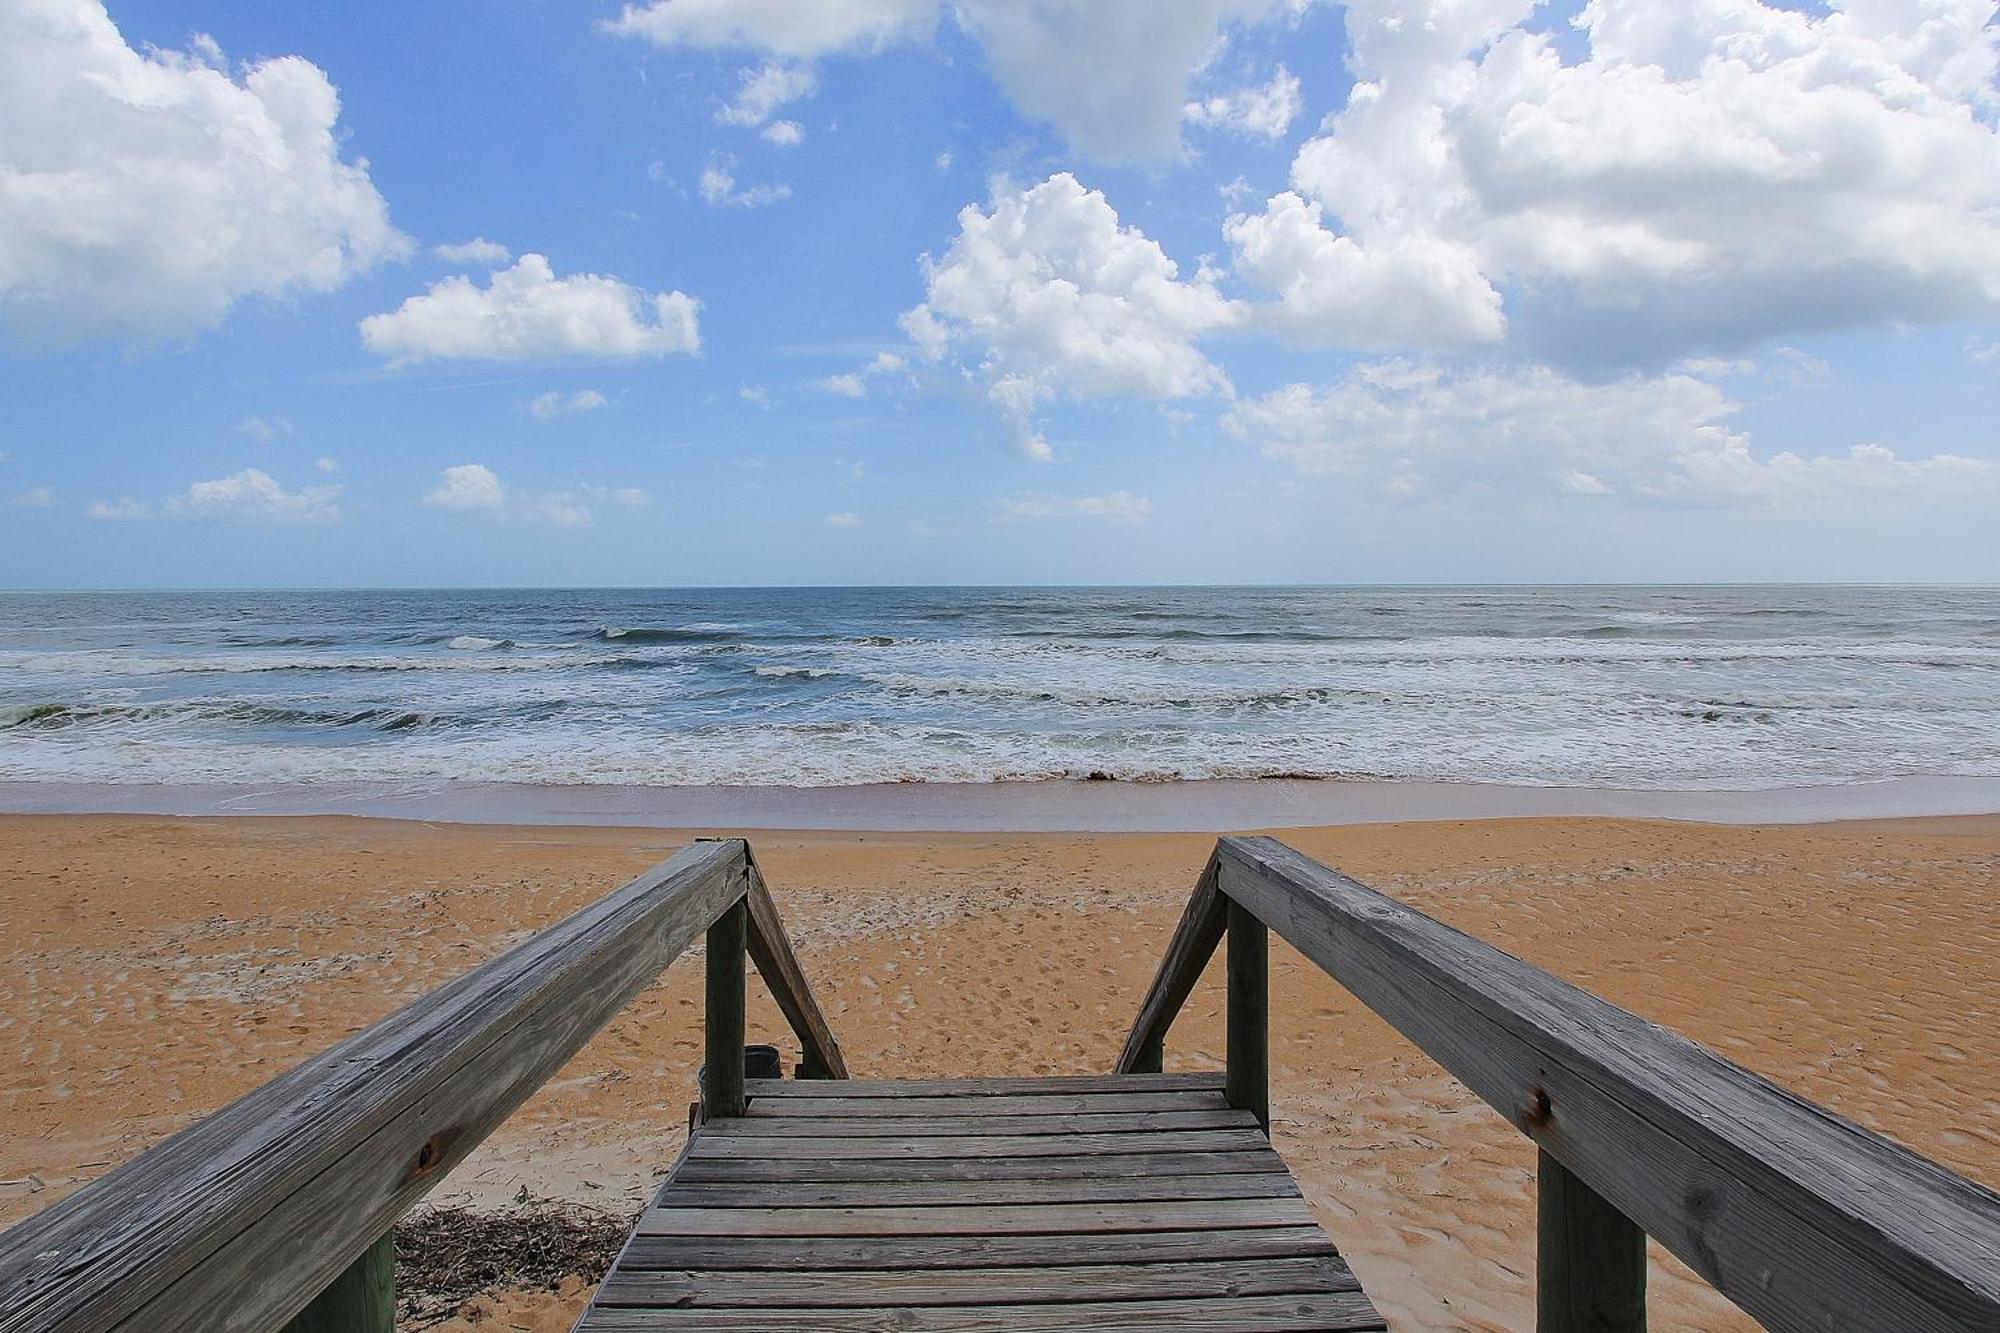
[1658,687]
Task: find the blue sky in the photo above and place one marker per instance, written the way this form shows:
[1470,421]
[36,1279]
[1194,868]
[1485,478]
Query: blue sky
[1249,290]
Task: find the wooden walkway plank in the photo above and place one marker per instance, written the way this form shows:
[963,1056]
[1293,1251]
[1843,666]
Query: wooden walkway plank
[925,1252]
[730,1170]
[999,1205]
[1339,1312]
[978,1286]
[1039,1103]
[987,1220]
[997,1145]
[888,1193]
[872,1126]
[1059,1084]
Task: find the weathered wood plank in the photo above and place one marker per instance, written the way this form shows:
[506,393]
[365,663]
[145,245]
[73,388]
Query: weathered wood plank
[999,1145]
[724,1170]
[1590,1259]
[361,1300]
[238,1221]
[723,1014]
[1200,930]
[1247,1067]
[872,1194]
[784,1253]
[1804,1219]
[771,950]
[863,1127]
[1340,1312]
[889,1108]
[986,1220]
[841,1288]
[1058,1084]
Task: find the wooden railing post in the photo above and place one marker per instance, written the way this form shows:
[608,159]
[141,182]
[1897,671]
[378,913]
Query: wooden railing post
[722,1024]
[361,1300]
[1247,1078]
[1590,1267]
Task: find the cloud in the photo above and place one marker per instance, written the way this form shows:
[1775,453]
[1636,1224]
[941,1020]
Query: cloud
[264,429]
[1407,292]
[1421,432]
[326,466]
[1698,178]
[39,497]
[755,394]
[253,493]
[1050,296]
[797,28]
[476,488]
[143,195]
[1266,112]
[125,509]
[784,133]
[468,486]
[764,89]
[718,186]
[847,386]
[1111,78]
[526,312]
[1035,506]
[478,251]
[552,404]
[1983,352]
[843,520]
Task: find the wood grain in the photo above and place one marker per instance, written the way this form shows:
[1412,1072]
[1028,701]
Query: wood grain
[1193,944]
[771,952]
[1335,1312]
[240,1220]
[978,1286]
[1804,1219]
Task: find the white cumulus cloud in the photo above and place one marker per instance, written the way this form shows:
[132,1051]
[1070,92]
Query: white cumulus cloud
[554,403]
[798,28]
[1111,76]
[142,195]
[783,133]
[1266,112]
[1049,295]
[468,486]
[254,493]
[264,429]
[1702,176]
[1034,506]
[474,487]
[766,88]
[526,312]
[718,186]
[478,250]
[1422,432]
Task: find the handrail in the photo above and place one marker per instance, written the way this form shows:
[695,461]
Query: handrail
[1804,1219]
[242,1219]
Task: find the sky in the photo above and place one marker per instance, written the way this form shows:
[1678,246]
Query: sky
[688,292]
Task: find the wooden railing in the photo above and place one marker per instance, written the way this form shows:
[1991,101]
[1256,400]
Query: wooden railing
[1804,1219]
[279,1207]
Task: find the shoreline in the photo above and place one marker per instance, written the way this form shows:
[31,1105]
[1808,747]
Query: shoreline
[1053,806]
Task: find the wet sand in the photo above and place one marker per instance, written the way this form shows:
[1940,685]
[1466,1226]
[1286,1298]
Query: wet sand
[153,968]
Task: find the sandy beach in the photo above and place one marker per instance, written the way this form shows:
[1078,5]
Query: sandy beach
[155,968]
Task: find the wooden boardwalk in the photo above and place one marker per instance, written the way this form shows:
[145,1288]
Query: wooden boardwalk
[1127,1202]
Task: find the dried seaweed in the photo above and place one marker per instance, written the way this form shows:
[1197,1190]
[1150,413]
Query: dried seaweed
[447,1255]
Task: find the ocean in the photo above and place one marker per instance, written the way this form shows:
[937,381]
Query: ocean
[1717,688]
